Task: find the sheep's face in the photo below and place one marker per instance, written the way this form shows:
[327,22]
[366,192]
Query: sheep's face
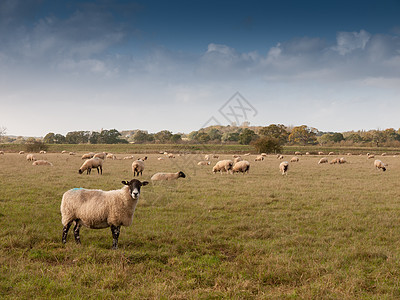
[134,187]
[181,174]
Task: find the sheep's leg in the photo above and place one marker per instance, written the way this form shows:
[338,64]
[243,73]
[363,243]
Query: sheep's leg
[115,234]
[65,232]
[88,171]
[101,169]
[76,232]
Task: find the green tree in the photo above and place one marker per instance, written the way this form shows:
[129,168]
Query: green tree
[275,131]
[94,138]
[337,137]
[163,136]
[230,137]
[141,137]
[247,136]
[203,137]
[355,138]
[49,138]
[303,135]
[176,138]
[267,145]
[215,134]
[77,137]
[59,139]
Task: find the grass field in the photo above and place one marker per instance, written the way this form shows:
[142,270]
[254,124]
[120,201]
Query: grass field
[322,232]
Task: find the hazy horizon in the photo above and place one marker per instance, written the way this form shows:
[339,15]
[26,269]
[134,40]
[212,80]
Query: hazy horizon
[154,65]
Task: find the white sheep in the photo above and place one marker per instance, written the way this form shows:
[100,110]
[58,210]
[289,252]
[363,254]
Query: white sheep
[72,153]
[264,154]
[259,158]
[64,152]
[320,153]
[21,152]
[371,156]
[203,163]
[101,155]
[331,153]
[294,159]
[111,156]
[160,158]
[30,157]
[380,165]
[242,166]
[207,157]
[298,153]
[284,167]
[143,158]
[280,156]
[223,165]
[237,159]
[100,209]
[323,160]
[384,154]
[42,152]
[246,154]
[87,155]
[1,152]
[170,155]
[90,164]
[334,161]
[348,154]
[138,167]
[42,162]
[128,157]
[307,153]
[342,160]
[167,176]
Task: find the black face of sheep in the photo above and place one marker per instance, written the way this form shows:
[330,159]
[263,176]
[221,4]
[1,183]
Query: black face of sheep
[134,187]
[181,174]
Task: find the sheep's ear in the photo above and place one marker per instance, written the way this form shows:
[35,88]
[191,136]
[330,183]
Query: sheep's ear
[125,182]
[145,183]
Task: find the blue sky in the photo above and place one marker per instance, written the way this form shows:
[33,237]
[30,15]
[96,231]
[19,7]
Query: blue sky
[154,65]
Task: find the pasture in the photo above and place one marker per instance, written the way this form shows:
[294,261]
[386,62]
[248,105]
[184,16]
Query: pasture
[323,231]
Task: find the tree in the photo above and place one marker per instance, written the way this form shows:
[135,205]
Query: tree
[94,137]
[111,136]
[247,136]
[215,134]
[59,139]
[141,137]
[275,131]
[3,132]
[355,138]
[203,137]
[77,137]
[49,138]
[303,135]
[267,145]
[176,138]
[336,137]
[230,137]
[163,136]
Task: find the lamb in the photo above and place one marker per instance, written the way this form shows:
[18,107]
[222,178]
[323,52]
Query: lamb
[294,159]
[42,162]
[90,164]
[241,166]
[283,167]
[100,209]
[259,158]
[101,155]
[137,167]
[380,165]
[237,159]
[223,165]
[30,157]
[323,160]
[167,176]
[203,163]
[88,155]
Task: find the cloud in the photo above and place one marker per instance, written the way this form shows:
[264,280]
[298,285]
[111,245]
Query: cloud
[350,41]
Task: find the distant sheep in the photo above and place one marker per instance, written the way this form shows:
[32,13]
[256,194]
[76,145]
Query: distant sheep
[371,156]
[242,166]
[203,163]
[42,163]
[237,159]
[30,157]
[93,163]
[167,176]
[280,156]
[320,153]
[223,165]
[259,158]
[170,155]
[246,154]
[215,156]
[323,160]
[100,209]
[72,153]
[42,152]
[207,157]
[160,158]
[348,154]
[383,154]
[111,156]
[21,152]
[284,167]
[342,160]
[235,156]
[88,155]
[64,152]
[138,167]
[298,153]
[128,157]
[307,153]
[264,154]
[294,159]
[1,153]
[380,165]
[331,153]
[143,158]
[334,161]
[101,155]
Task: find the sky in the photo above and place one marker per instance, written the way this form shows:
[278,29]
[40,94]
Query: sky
[181,65]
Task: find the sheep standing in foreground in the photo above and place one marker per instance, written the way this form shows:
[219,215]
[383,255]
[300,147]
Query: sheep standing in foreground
[323,160]
[91,164]
[380,165]
[138,167]
[294,159]
[284,167]
[30,157]
[223,165]
[167,176]
[100,209]
[242,166]
[42,162]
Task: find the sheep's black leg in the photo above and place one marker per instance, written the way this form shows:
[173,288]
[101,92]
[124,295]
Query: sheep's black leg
[101,169]
[65,232]
[88,171]
[76,232]
[115,234]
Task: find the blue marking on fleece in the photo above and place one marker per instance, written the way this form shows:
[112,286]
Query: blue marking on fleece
[76,189]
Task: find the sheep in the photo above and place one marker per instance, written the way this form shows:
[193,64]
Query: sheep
[334,161]
[264,154]
[64,152]
[380,165]
[235,155]
[137,167]
[348,154]
[307,153]
[87,155]
[283,167]
[30,157]
[280,156]
[111,156]
[21,152]
[203,163]
[90,164]
[207,157]
[331,153]
[371,156]
[167,176]
[1,152]
[101,155]
[342,160]
[223,165]
[246,154]
[215,156]
[165,153]
[383,154]
[42,162]
[100,209]
[241,166]
[298,153]
[42,152]
[320,153]
[128,157]
[143,158]
[294,159]
[323,160]
[237,159]
[160,158]
[72,153]
[259,158]
[170,155]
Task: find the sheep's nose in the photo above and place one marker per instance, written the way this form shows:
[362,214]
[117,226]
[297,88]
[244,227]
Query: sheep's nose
[136,195]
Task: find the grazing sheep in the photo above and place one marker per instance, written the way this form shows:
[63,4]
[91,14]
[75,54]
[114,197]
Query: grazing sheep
[237,159]
[137,167]
[42,162]
[294,159]
[246,154]
[334,161]
[90,164]
[101,155]
[323,160]
[259,158]
[72,153]
[383,154]
[331,153]
[283,167]
[64,152]
[88,155]
[111,156]
[298,153]
[342,160]
[223,165]
[380,165]
[143,158]
[165,153]
[215,156]
[167,176]
[371,156]
[320,153]
[30,157]
[100,209]
[1,152]
[264,154]
[21,152]
[170,155]
[207,157]
[241,166]
[307,153]
[42,152]
[280,156]
[160,158]
[203,163]
[128,157]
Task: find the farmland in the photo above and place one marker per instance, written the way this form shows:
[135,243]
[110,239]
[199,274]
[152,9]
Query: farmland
[323,231]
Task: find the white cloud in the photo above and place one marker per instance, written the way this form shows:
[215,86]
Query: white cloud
[350,41]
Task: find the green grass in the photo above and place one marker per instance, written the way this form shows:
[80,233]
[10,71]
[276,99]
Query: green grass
[322,232]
